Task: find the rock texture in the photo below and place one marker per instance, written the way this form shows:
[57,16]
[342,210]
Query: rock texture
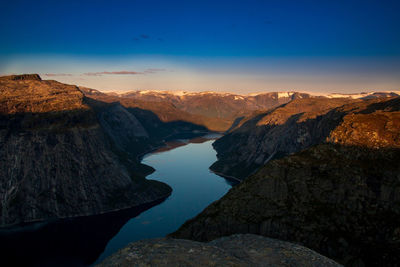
[340,197]
[22,77]
[63,156]
[341,201]
[373,124]
[236,250]
[162,120]
[217,105]
[224,111]
[303,123]
[215,111]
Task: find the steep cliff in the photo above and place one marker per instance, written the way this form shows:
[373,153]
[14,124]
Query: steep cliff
[341,201]
[62,157]
[236,250]
[300,124]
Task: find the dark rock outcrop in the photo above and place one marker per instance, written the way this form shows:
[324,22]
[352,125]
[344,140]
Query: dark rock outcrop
[59,156]
[22,77]
[236,250]
[341,201]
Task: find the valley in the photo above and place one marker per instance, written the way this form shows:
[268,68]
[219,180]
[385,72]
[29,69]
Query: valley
[78,241]
[200,133]
[318,171]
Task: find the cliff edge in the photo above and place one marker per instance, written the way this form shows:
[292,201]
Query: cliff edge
[59,158]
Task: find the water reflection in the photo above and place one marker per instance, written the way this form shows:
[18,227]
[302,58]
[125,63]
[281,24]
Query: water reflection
[67,242]
[185,169]
[172,144]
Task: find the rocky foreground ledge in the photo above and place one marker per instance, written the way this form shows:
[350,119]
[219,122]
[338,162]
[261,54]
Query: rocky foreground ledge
[235,250]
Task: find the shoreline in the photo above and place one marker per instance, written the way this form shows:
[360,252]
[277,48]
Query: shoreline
[229,177]
[140,156]
[42,222]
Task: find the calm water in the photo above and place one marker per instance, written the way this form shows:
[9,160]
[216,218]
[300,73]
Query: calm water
[88,240]
[194,186]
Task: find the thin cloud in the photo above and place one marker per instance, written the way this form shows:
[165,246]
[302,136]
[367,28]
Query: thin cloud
[146,37]
[57,74]
[153,70]
[141,37]
[123,72]
[92,74]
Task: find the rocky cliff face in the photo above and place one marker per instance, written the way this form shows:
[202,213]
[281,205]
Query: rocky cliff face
[373,124]
[236,250]
[63,157]
[341,201]
[303,123]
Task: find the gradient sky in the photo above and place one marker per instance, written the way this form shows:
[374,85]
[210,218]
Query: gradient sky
[238,46]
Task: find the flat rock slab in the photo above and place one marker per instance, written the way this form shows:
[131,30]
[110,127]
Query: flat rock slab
[235,250]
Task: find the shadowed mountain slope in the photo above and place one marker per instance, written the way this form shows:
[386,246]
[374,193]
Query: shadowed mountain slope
[341,201]
[64,155]
[301,124]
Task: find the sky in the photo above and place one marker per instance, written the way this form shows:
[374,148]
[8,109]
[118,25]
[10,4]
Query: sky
[237,46]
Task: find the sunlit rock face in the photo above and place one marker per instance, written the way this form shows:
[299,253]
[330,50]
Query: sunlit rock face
[59,159]
[302,123]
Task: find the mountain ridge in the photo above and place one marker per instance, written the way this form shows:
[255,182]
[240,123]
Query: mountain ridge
[299,124]
[280,94]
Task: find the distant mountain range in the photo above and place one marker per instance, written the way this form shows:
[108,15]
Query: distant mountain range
[214,110]
[162,94]
[159,95]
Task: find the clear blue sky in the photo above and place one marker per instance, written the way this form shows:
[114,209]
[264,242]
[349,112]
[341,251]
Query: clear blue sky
[200,45]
